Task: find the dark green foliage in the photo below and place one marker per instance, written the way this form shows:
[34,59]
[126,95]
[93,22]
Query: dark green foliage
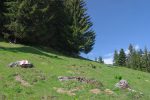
[95,59]
[116,58]
[80,37]
[118,77]
[61,25]
[100,60]
[135,59]
[146,61]
[122,58]
[30,20]
[2,17]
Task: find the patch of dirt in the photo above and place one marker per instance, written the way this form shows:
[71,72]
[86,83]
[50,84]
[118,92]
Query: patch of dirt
[63,91]
[95,91]
[108,91]
[23,82]
[80,79]
[68,92]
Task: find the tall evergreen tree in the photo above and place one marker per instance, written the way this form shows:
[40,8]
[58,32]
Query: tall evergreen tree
[116,58]
[36,21]
[81,37]
[62,25]
[122,58]
[12,13]
[130,56]
[146,60]
[148,68]
[96,59]
[139,59]
[100,60]
[2,17]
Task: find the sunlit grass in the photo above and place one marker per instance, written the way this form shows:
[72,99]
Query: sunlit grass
[43,78]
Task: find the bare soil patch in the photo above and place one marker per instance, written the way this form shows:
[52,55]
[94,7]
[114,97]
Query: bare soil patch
[95,91]
[23,82]
[68,92]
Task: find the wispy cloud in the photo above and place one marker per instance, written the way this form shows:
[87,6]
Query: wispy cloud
[108,60]
[137,47]
[126,51]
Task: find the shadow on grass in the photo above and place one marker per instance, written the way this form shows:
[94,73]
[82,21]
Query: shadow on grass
[31,50]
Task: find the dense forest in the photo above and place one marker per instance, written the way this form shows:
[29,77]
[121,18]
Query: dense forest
[63,25]
[135,59]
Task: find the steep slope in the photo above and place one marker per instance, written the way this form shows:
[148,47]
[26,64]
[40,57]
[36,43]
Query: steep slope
[42,83]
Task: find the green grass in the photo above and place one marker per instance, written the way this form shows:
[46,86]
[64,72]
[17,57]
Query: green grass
[48,66]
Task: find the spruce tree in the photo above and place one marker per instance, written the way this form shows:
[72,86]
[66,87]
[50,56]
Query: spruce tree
[36,21]
[95,59]
[116,56]
[100,60]
[145,60]
[130,56]
[148,68]
[12,18]
[2,17]
[62,25]
[122,58]
[81,37]
[139,59]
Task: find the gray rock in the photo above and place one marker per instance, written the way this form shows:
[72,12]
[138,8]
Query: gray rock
[19,64]
[13,64]
[123,84]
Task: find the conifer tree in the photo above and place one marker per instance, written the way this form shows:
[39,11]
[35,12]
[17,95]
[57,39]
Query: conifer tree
[122,58]
[2,17]
[61,24]
[146,60]
[81,37]
[100,60]
[12,18]
[130,56]
[116,58]
[95,59]
[139,59]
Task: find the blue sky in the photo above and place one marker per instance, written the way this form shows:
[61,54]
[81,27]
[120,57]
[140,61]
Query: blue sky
[118,23]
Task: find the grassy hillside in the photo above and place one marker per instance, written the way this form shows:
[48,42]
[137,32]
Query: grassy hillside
[41,82]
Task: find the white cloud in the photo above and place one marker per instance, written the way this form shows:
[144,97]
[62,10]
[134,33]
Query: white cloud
[137,47]
[127,51]
[108,60]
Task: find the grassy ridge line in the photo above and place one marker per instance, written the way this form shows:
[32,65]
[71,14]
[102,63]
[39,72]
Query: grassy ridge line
[48,66]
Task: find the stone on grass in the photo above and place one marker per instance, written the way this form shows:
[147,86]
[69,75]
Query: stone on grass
[123,84]
[21,63]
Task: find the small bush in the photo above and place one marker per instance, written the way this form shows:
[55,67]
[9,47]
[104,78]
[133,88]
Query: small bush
[18,90]
[118,77]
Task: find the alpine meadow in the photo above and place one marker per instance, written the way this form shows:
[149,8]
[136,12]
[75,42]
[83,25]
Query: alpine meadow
[74,50]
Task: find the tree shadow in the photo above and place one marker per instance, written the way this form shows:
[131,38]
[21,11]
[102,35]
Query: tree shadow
[31,50]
